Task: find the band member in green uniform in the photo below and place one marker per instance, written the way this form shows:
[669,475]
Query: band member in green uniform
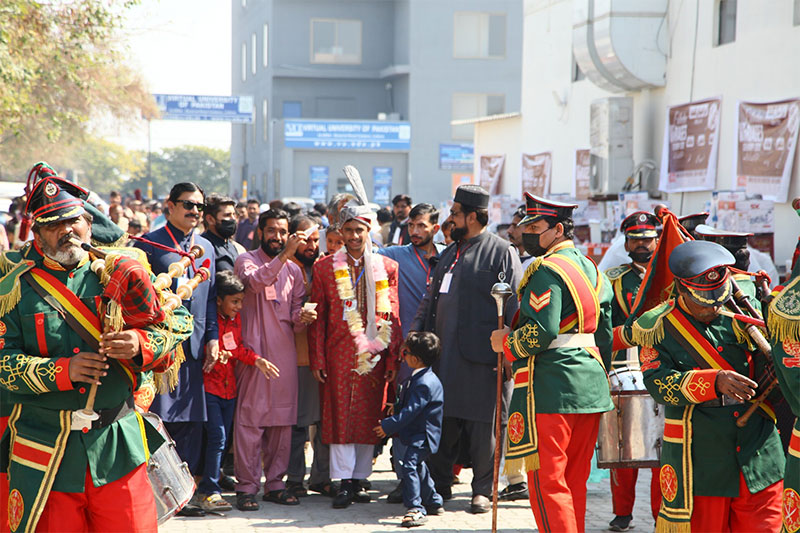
[559,349]
[715,476]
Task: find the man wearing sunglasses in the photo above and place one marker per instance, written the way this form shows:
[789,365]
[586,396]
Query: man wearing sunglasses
[184,409]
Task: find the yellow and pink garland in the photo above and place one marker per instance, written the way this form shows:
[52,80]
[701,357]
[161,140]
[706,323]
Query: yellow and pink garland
[368,350]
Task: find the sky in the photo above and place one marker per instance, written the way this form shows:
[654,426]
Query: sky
[180,47]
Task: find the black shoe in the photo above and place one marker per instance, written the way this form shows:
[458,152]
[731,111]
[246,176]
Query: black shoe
[517,491]
[445,492]
[191,510]
[480,504]
[227,483]
[344,497]
[364,483]
[621,523]
[359,493]
[396,496]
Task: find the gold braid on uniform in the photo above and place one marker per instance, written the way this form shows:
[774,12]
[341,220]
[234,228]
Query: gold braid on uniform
[649,337]
[783,320]
[532,268]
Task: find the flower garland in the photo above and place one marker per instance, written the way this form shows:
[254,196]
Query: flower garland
[368,350]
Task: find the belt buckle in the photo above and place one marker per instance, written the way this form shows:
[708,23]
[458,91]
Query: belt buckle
[82,420]
[726,401]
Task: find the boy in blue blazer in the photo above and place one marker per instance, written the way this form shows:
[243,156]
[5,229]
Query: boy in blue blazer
[417,420]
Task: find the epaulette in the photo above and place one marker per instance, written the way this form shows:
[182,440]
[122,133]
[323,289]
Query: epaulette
[8,260]
[784,313]
[11,286]
[617,271]
[526,277]
[648,330]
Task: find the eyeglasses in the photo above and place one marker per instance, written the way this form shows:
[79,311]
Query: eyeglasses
[189,205]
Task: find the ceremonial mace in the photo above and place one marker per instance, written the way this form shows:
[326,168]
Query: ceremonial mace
[84,417]
[500,292]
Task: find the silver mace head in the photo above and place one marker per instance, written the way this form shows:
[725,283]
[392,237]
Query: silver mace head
[500,292]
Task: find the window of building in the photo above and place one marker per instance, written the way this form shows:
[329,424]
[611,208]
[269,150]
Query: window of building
[797,12]
[253,57]
[264,121]
[265,46]
[335,41]
[726,22]
[292,109]
[244,61]
[479,35]
[577,73]
[473,105]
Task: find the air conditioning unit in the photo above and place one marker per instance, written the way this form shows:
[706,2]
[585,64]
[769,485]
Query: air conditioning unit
[611,139]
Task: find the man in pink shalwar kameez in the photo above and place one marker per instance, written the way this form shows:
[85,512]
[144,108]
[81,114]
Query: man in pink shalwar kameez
[267,409]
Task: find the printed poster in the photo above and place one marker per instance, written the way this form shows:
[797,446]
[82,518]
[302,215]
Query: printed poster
[382,185]
[492,167]
[580,182]
[318,183]
[766,141]
[536,172]
[691,146]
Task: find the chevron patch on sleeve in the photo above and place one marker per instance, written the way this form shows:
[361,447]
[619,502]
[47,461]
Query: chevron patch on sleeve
[539,302]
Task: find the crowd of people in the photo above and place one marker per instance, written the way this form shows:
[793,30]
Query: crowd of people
[342,329]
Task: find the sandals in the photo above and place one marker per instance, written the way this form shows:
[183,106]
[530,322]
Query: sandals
[283,497]
[215,502]
[297,488]
[413,518]
[246,502]
[325,488]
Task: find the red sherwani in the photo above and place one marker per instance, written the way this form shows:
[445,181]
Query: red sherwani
[351,404]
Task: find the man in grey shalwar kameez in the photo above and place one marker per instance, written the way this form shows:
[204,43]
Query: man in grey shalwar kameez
[459,308]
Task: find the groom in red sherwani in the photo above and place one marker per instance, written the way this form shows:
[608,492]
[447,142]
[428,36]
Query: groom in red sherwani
[353,380]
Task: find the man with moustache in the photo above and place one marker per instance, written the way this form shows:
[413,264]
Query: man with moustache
[415,262]
[398,230]
[641,240]
[219,217]
[353,348]
[714,476]
[246,229]
[459,308]
[267,409]
[63,476]
[183,409]
[307,387]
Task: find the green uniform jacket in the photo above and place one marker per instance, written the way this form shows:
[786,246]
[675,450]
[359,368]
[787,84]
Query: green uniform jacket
[565,380]
[625,282]
[36,346]
[719,449]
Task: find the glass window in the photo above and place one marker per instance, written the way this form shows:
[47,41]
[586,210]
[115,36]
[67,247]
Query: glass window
[265,46]
[727,22]
[264,121]
[473,105]
[336,41]
[244,61]
[292,109]
[253,56]
[479,35]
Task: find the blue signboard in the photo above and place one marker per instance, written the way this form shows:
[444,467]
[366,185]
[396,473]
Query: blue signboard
[347,135]
[382,185]
[197,107]
[318,183]
[456,156]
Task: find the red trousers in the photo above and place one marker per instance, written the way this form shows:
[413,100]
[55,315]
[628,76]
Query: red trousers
[4,528]
[558,488]
[123,505]
[747,512]
[623,491]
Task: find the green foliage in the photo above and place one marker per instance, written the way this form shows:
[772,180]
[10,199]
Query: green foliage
[59,67]
[207,167]
[103,166]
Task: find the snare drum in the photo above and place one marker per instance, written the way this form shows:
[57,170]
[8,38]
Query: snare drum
[173,484]
[630,434]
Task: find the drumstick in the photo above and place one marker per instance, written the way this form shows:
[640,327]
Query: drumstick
[741,318]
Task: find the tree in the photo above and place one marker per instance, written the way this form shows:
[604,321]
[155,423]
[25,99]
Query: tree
[102,166]
[59,67]
[207,167]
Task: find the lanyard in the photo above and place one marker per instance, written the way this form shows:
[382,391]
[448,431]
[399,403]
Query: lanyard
[178,246]
[355,283]
[426,266]
[458,255]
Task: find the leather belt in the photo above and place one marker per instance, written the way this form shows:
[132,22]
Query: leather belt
[109,416]
[573,340]
[722,401]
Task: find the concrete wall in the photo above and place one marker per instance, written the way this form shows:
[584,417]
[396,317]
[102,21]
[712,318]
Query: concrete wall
[759,65]
[497,137]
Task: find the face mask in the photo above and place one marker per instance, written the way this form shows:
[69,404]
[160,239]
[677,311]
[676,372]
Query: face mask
[532,245]
[226,228]
[641,257]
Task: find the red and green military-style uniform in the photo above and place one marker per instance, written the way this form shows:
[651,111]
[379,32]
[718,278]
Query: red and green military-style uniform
[704,453]
[625,282]
[559,349]
[784,327]
[39,451]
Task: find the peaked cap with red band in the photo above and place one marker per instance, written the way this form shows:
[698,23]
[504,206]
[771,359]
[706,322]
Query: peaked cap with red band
[640,225]
[52,198]
[731,240]
[702,267]
[537,208]
[689,222]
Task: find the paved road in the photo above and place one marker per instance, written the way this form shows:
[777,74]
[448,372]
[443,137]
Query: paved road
[315,512]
